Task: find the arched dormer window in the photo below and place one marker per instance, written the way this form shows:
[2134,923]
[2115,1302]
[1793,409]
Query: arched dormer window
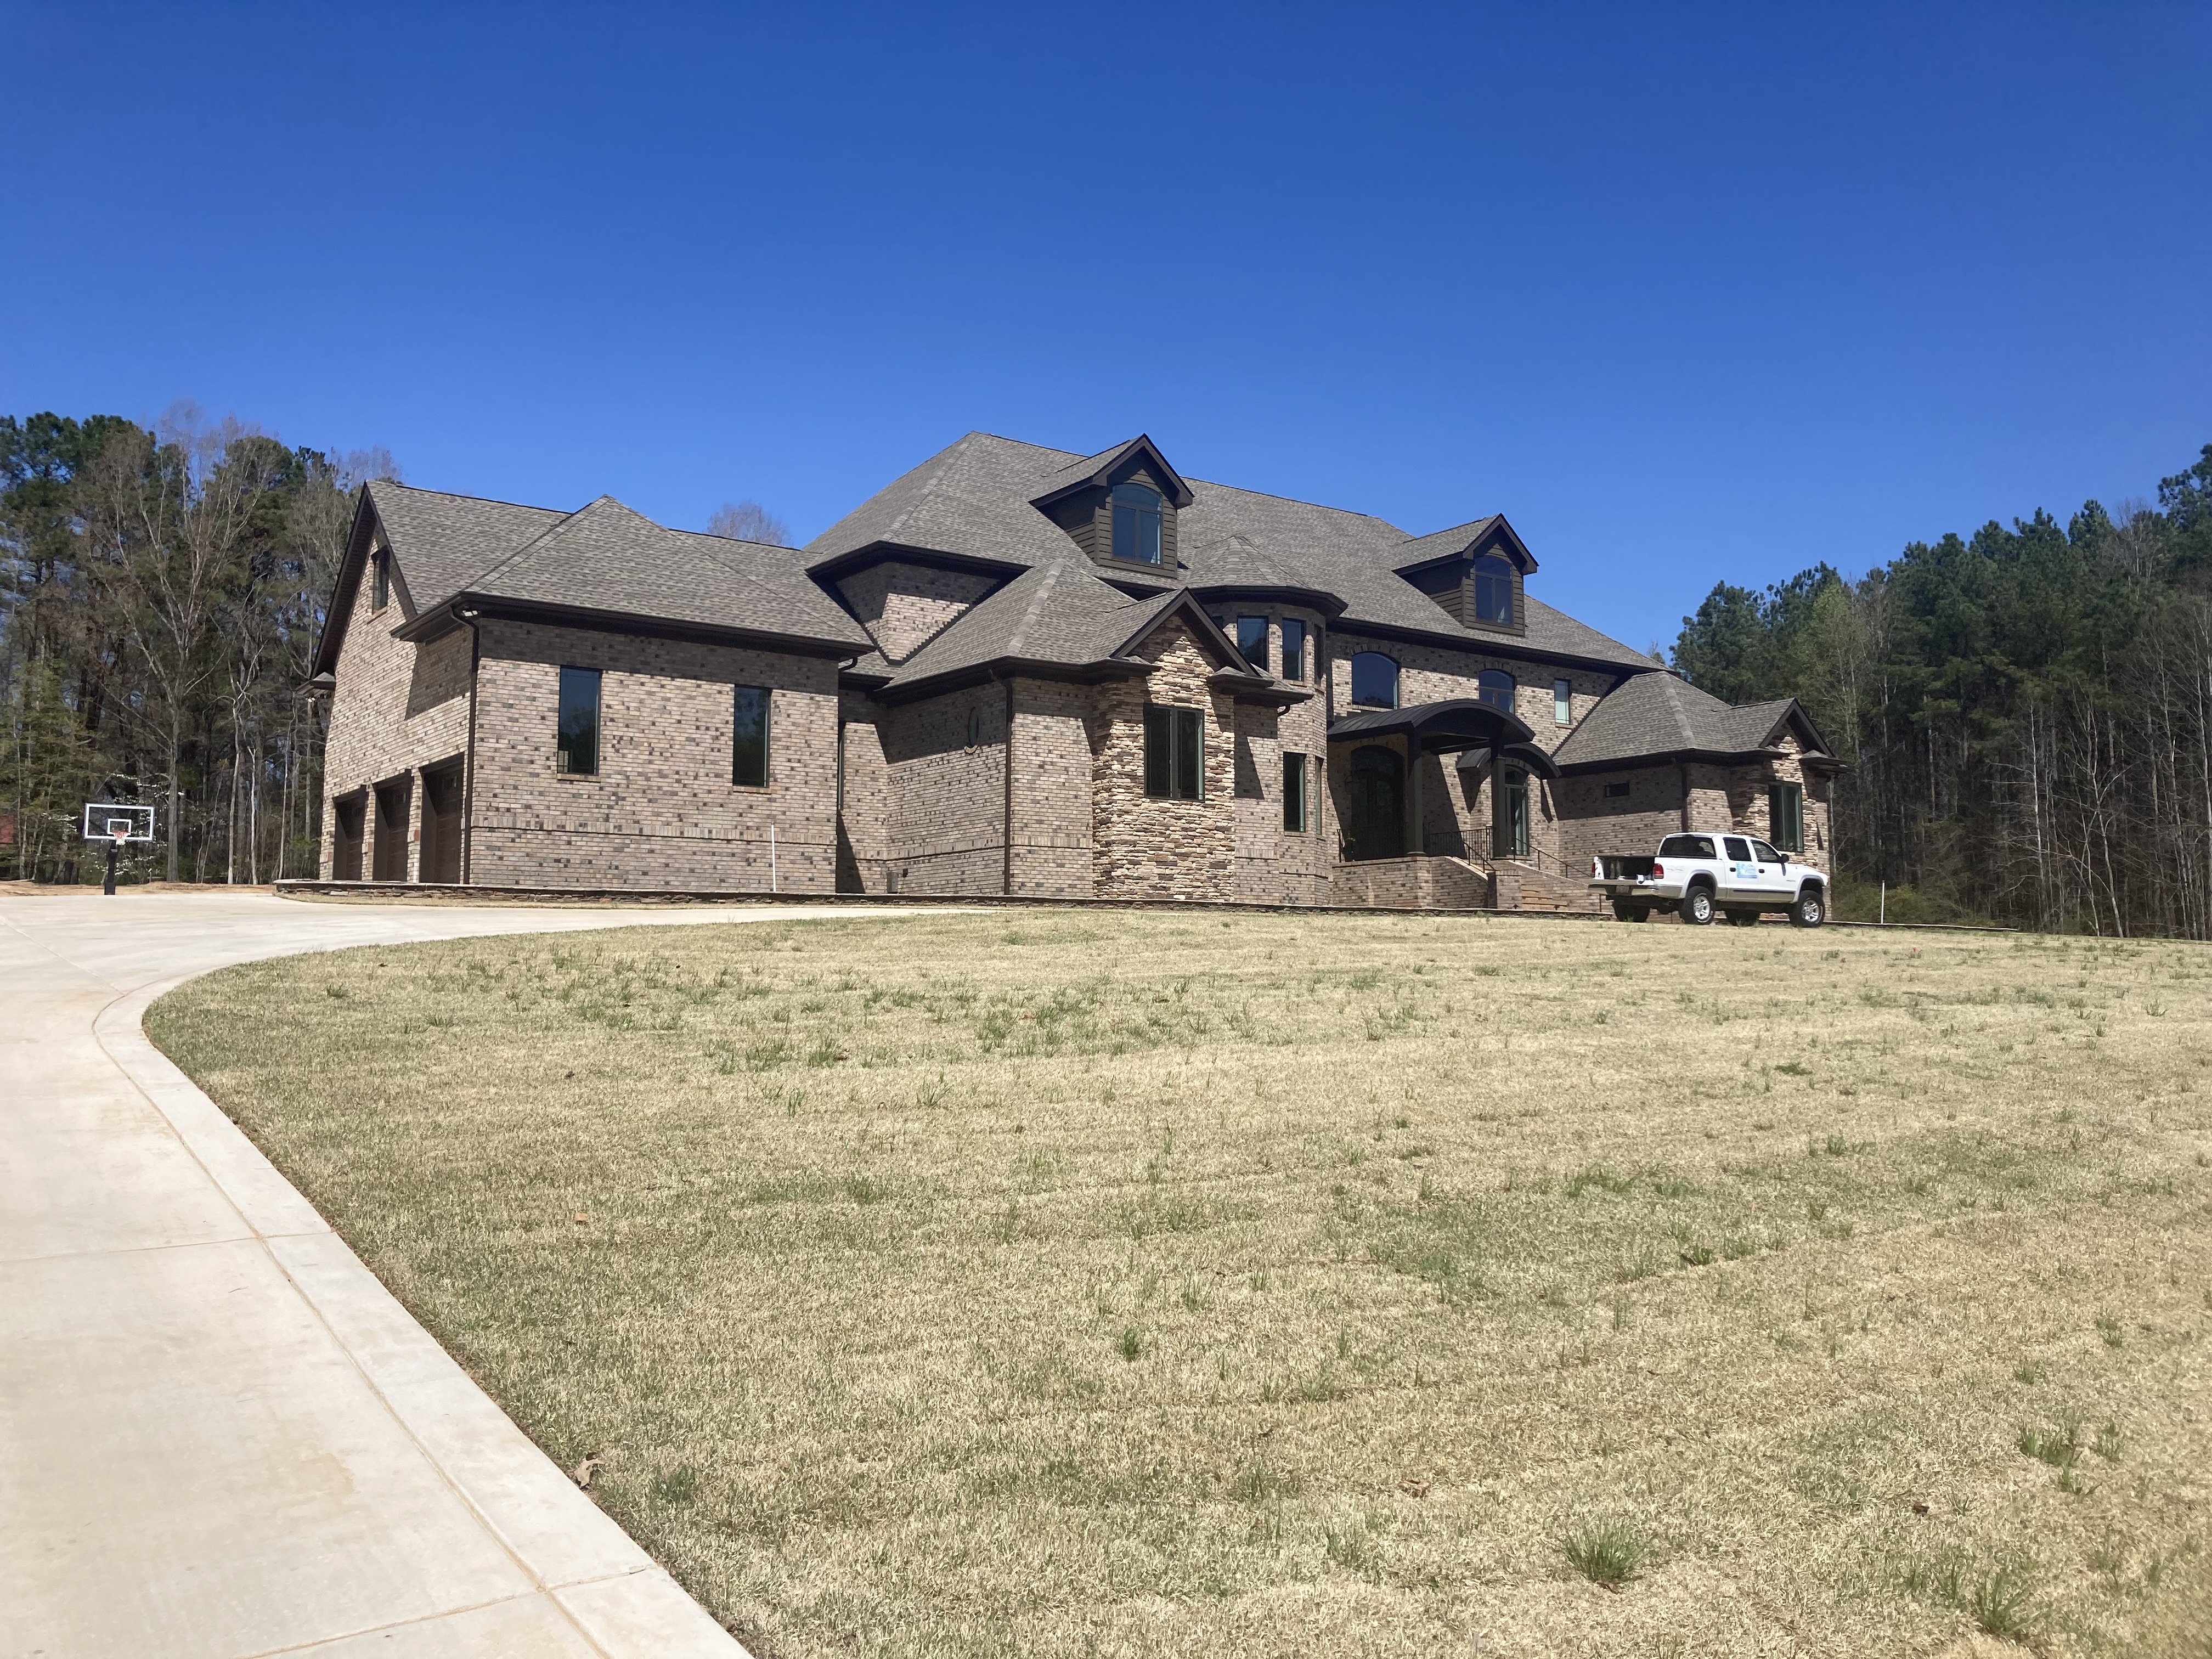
[1495,687]
[1493,590]
[1136,523]
[1374,680]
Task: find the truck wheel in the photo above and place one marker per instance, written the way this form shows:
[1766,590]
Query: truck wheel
[1811,908]
[1698,907]
[1631,912]
[1743,918]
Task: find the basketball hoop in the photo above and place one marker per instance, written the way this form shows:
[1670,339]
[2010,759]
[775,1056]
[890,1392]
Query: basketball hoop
[118,823]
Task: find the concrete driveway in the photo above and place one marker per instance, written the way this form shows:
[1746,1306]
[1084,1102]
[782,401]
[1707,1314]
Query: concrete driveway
[219,1435]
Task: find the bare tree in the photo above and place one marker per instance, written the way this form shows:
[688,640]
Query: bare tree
[749,521]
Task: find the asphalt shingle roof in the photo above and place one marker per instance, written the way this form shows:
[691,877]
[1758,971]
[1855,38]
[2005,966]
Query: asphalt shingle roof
[439,541]
[1056,613]
[974,497]
[1662,714]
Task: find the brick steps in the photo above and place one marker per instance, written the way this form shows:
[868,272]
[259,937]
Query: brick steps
[1525,887]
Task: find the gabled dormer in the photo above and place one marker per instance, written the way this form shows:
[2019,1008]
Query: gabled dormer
[1120,508]
[1475,572]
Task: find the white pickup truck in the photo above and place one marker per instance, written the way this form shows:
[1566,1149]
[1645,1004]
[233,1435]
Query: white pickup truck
[1697,876]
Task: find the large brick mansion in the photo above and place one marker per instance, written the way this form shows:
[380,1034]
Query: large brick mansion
[1012,671]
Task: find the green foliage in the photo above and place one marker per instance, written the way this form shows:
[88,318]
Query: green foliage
[2019,711]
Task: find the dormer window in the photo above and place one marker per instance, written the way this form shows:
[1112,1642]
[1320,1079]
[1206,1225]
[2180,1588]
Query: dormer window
[1136,523]
[1493,590]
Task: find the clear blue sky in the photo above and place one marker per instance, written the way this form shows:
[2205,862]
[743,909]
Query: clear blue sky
[1689,293]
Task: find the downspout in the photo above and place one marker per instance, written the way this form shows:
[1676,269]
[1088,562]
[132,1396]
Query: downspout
[469,760]
[1006,871]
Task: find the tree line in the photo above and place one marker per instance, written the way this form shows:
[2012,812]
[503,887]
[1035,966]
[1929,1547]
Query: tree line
[2027,713]
[161,590]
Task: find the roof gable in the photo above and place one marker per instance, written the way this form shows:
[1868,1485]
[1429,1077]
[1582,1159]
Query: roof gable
[1110,466]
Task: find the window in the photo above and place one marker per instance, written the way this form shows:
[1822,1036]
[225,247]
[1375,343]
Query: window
[1375,827]
[1687,847]
[1175,753]
[1785,815]
[1252,640]
[1508,821]
[379,585]
[1374,680]
[1294,649]
[1563,703]
[1493,590]
[974,727]
[1765,854]
[1616,792]
[578,729]
[749,736]
[1739,849]
[1495,687]
[1136,523]
[1294,792]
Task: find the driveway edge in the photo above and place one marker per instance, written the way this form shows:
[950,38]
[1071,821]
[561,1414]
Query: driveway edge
[622,1601]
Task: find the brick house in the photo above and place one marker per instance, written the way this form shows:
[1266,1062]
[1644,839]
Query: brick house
[1012,671]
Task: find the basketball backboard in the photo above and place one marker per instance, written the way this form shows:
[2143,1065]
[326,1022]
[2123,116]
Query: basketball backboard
[109,821]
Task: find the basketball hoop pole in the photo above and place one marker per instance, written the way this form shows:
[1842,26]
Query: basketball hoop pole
[113,847]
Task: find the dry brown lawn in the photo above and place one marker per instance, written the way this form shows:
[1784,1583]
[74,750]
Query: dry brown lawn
[1055,1283]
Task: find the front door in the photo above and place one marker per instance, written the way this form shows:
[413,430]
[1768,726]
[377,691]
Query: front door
[1509,825]
[1774,879]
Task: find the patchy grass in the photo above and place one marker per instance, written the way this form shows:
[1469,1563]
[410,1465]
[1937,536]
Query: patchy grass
[1110,1284]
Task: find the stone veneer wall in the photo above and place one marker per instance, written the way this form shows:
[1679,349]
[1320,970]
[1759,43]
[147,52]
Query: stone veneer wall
[399,707]
[662,811]
[1147,848]
[1275,864]
[904,606]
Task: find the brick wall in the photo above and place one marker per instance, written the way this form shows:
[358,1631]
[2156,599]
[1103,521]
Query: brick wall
[904,606]
[662,811]
[945,799]
[1054,796]
[1721,799]
[1148,848]
[397,708]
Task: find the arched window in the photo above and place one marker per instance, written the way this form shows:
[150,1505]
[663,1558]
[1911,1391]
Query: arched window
[1493,590]
[1495,687]
[1136,523]
[1374,680]
[1375,826]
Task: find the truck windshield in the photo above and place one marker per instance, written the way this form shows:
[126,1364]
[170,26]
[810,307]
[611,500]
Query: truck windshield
[1687,847]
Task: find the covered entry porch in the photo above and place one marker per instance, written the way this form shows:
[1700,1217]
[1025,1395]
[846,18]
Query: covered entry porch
[1377,761]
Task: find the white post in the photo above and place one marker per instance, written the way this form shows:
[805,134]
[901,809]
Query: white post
[1882,919]
[772,886]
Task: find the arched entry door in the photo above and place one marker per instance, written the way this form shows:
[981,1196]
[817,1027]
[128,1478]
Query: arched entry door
[1376,828]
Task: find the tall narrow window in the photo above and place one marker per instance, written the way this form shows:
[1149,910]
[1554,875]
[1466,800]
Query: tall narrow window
[1175,753]
[749,736]
[1508,818]
[1493,590]
[1495,687]
[1294,649]
[1136,523]
[1294,792]
[1785,815]
[579,728]
[1563,703]
[1374,680]
[1252,640]
[379,585]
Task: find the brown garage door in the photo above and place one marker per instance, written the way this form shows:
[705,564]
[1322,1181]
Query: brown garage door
[392,830]
[346,839]
[441,824]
